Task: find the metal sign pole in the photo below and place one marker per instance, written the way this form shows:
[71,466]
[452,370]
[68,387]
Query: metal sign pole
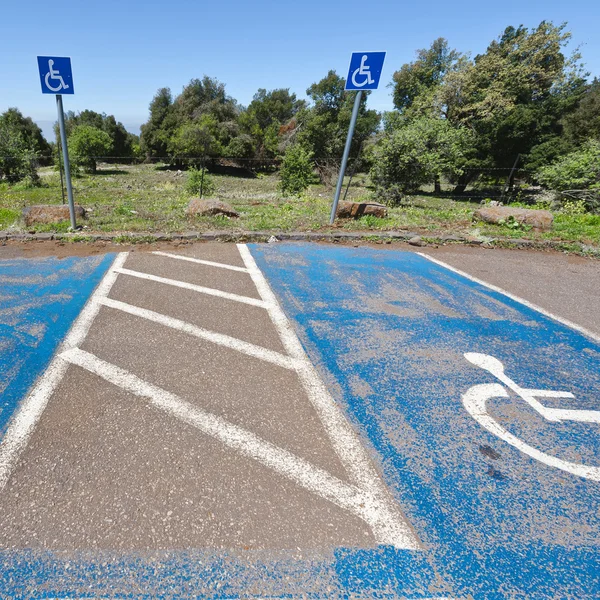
[63,140]
[340,182]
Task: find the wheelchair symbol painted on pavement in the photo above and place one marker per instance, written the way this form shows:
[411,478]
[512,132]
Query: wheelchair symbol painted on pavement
[54,74]
[364,71]
[474,400]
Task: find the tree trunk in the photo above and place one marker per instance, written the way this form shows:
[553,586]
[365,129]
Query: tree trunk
[437,186]
[463,182]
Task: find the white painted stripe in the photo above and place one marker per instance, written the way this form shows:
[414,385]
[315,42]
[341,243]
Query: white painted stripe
[548,393]
[495,288]
[199,261]
[343,438]
[193,287]
[26,418]
[312,478]
[259,352]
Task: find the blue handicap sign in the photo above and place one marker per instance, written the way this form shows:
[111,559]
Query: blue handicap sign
[365,70]
[55,75]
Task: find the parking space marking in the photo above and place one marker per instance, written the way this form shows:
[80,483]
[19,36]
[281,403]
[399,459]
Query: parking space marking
[347,496]
[25,419]
[221,339]
[365,496]
[344,439]
[526,303]
[200,261]
[193,287]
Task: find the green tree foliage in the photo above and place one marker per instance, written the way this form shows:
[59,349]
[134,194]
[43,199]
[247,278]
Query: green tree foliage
[196,139]
[242,146]
[122,142]
[584,122]
[160,126]
[86,143]
[296,170]
[578,170]
[515,94]
[323,127]
[22,146]
[417,79]
[263,118]
[202,116]
[31,133]
[416,153]
[513,97]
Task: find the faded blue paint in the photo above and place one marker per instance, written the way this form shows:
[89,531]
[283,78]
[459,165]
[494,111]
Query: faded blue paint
[214,574]
[39,300]
[390,329]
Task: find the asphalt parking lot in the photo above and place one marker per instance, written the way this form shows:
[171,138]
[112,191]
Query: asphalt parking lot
[286,419]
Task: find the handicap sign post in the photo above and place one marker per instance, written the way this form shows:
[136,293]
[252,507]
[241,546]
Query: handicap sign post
[56,77]
[364,74]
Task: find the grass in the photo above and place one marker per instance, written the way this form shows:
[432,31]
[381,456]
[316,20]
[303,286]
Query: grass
[149,199]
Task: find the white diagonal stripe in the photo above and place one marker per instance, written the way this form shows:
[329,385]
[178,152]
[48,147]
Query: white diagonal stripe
[217,338]
[347,496]
[199,261]
[342,436]
[193,287]
[26,418]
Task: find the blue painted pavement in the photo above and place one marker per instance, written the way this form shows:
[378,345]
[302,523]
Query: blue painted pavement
[389,331]
[39,300]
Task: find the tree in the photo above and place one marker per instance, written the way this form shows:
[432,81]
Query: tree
[121,140]
[413,80]
[264,116]
[31,133]
[242,146]
[86,143]
[22,146]
[323,127]
[584,122]
[418,152]
[160,126]
[513,96]
[197,139]
[203,110]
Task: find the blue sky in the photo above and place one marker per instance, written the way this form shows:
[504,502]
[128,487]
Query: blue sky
[122,52]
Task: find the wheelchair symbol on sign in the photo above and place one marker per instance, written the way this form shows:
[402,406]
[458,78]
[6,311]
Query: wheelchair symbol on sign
[364,71]
[474,400]
[55,75]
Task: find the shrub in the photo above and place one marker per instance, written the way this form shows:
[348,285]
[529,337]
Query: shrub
[417,153]
[18,159]
[579,170]
[296,170]
[195,181]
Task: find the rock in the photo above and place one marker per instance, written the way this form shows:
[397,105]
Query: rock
[416,241]
[540,220]
[210,206]
[50,213]
[356,210]
[272,240]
